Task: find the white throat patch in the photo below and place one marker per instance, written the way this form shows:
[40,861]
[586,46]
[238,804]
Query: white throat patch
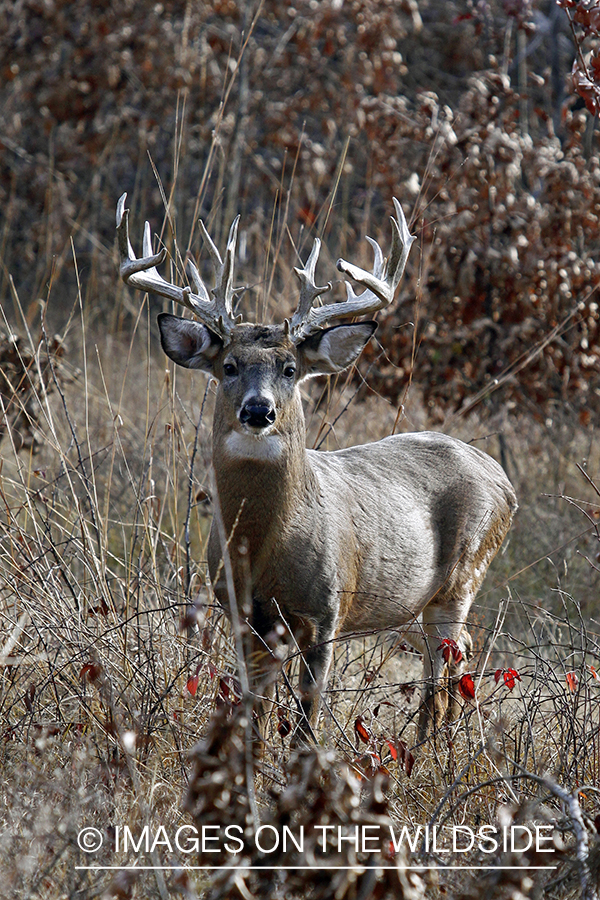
[250,446]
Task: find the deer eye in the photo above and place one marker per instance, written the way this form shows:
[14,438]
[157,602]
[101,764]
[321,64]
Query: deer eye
[230,369]
[289,371]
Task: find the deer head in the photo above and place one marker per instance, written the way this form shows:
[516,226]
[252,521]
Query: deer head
[260,366]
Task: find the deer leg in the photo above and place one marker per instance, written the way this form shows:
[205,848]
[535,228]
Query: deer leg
[442,620]
[434,699]
[455,671]
[316,662]
[262,666]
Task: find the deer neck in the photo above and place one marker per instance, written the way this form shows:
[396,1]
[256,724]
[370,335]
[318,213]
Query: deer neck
[261,481]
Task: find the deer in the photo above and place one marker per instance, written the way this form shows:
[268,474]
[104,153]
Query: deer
[392,535]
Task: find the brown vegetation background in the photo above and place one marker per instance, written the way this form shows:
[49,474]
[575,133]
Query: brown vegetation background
[306,118]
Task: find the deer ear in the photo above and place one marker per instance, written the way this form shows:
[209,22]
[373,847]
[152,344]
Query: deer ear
[334,349]
[189,343]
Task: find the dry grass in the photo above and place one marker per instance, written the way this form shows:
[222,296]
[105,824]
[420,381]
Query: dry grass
[106,618]
[114,660]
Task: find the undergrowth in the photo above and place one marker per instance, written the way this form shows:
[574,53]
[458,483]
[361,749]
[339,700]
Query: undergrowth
[115,660]
[120,704]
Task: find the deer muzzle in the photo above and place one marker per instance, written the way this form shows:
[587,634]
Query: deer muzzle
[257,414]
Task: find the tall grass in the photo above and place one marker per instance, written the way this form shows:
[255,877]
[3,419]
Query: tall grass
[115,660]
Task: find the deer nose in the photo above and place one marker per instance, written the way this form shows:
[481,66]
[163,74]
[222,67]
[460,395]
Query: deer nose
[257,414]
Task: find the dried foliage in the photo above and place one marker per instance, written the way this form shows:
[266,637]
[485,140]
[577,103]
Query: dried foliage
[320,794]
[24,383]
[112,660]
[586,67]
[510,264]
[462,114]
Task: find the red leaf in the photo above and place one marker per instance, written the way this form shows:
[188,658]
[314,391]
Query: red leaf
[212,670]
[29,695]
[370,764]
[192,684]
[101,609]
[284,727]
[409,762]
[594,673]
[399,750]
[91,671]
[361,730]
[230,691]
[510,677]
[450,648]
[308,216]
[466,686]
[572,681]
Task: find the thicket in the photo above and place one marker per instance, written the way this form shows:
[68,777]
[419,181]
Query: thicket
[306,118]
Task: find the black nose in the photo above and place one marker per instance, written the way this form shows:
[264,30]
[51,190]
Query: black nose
[257,415]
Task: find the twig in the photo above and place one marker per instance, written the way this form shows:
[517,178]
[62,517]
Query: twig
[188,514]
[239,646]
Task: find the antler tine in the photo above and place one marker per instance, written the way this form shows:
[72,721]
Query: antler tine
[142,274]
[223,289]
[197,283]
[309,290]
[381,283]
[130,265]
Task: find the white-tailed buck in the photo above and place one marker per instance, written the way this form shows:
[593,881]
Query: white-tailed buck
[396,534]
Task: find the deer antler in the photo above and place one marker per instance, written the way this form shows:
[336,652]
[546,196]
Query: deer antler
[309,291]
[217,313]
[380,283]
